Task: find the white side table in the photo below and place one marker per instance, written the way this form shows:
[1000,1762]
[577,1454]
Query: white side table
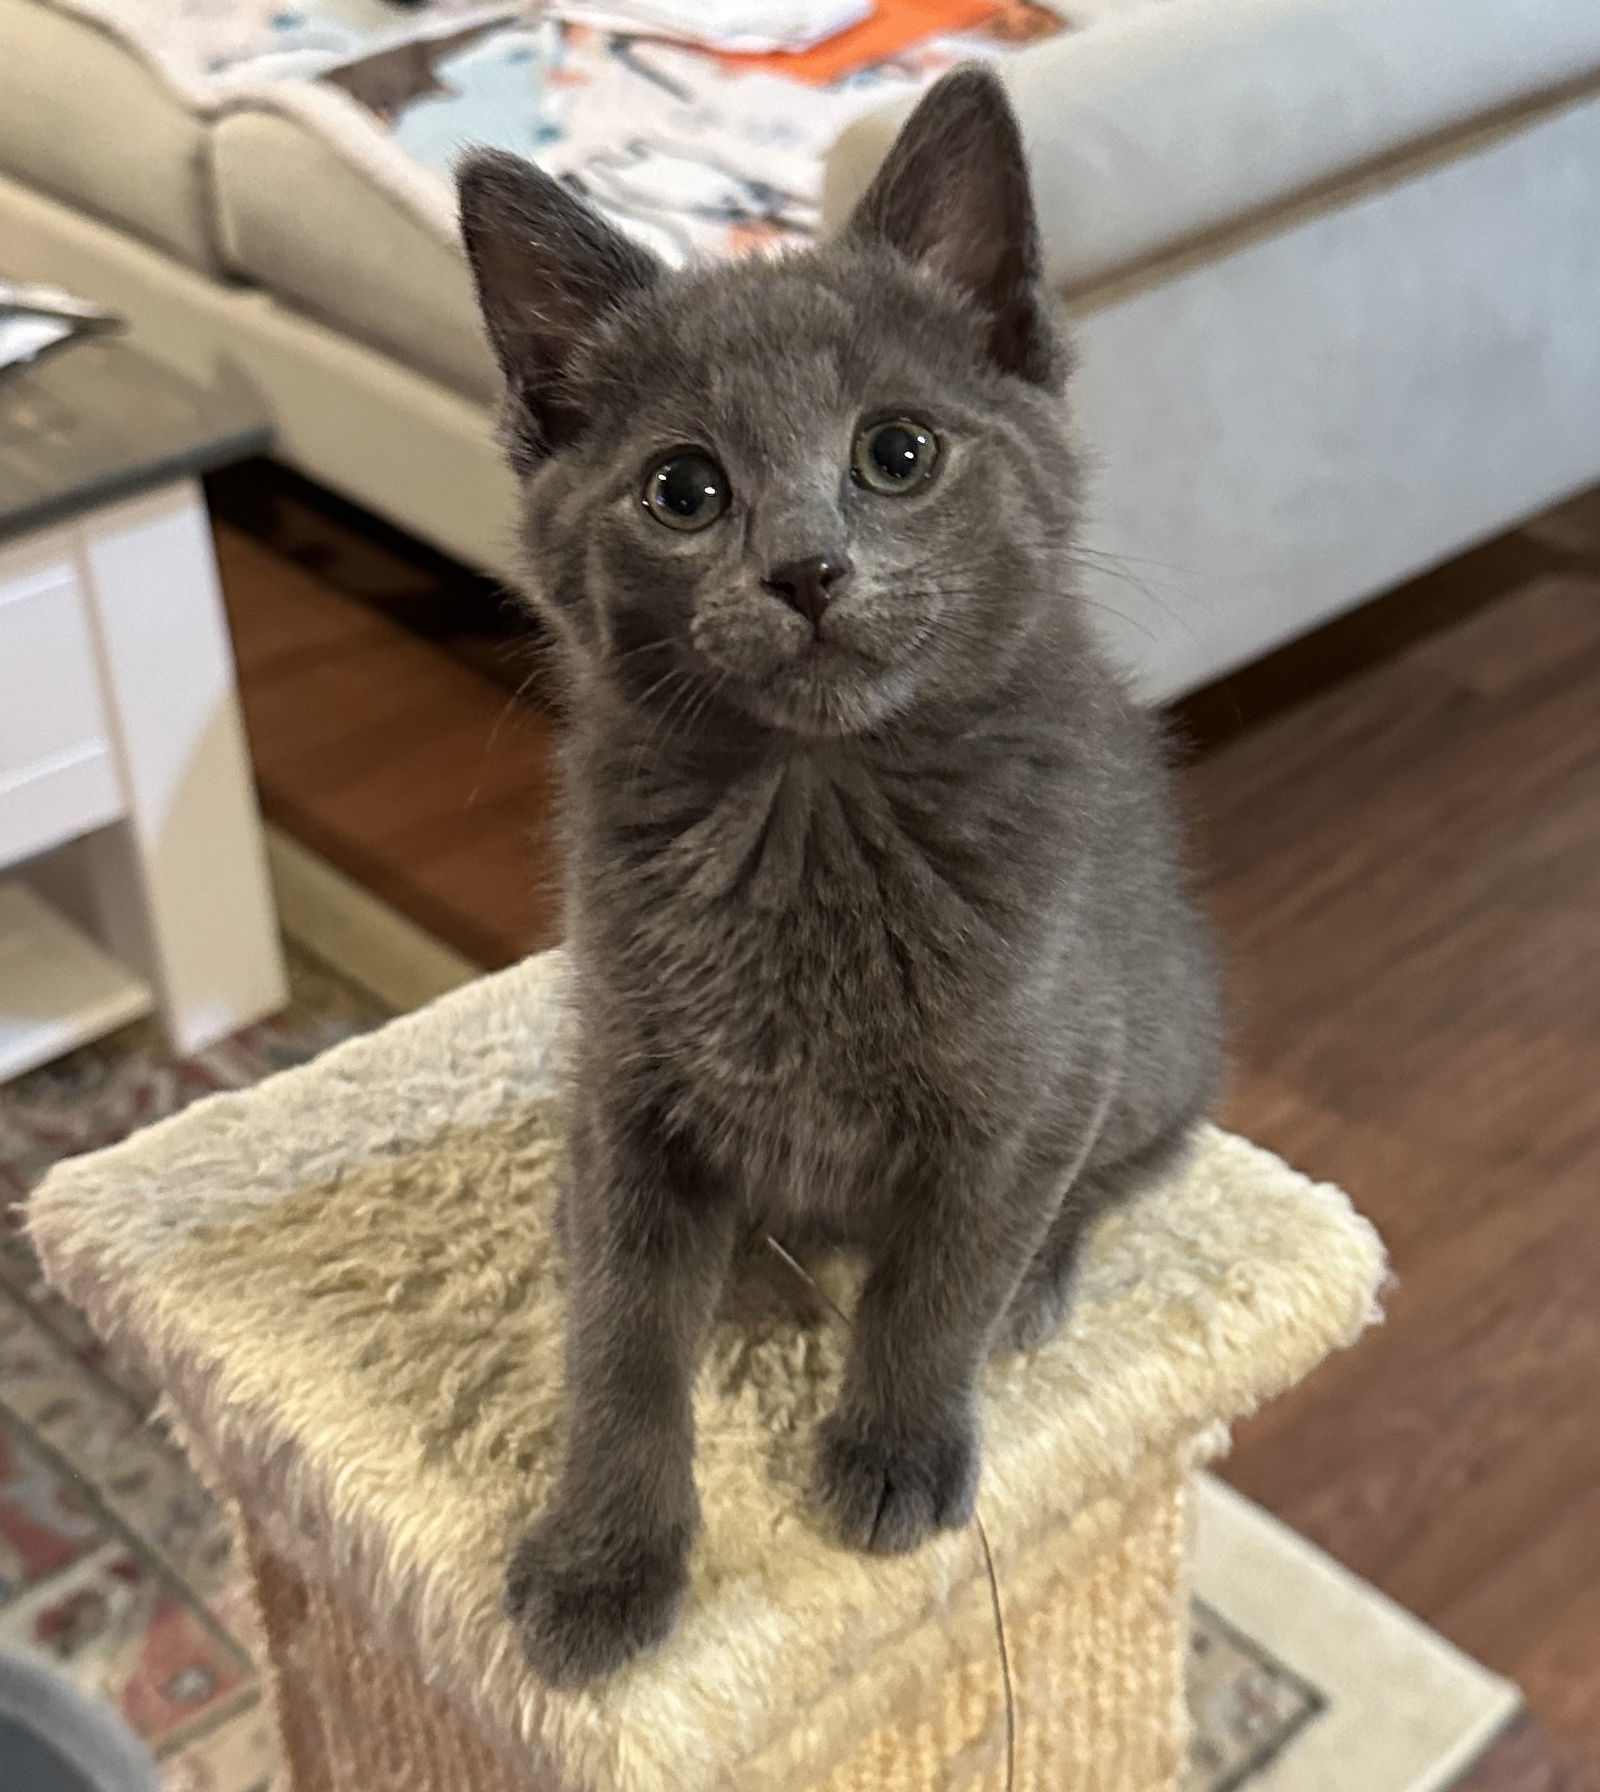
[127,813]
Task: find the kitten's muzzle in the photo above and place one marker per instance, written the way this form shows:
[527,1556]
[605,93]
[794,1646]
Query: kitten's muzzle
[808,586]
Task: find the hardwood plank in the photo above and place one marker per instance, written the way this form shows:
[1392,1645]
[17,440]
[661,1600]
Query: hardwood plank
[1538,1608]
[409,770]
[1375,632]
[476,618]
[1525,1760]
[1407,874]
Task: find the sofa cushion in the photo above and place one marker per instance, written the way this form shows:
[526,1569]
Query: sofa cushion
[91,113]
[313,204]
[107,104]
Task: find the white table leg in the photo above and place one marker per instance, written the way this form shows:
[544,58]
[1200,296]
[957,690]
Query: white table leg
[180,888]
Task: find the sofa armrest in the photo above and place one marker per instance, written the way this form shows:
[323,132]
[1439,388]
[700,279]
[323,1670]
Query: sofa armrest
[1149,130]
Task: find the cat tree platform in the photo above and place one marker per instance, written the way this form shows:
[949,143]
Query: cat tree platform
[344,1281]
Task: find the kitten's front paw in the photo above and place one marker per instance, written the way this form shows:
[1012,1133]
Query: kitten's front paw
[1037,1311]
[888,1494]
[582,1613]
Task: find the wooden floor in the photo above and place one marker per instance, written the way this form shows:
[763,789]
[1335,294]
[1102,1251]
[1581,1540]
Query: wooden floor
[1405,869]
[416,774]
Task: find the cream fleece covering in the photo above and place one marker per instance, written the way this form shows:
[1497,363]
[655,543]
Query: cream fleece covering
[345,1281]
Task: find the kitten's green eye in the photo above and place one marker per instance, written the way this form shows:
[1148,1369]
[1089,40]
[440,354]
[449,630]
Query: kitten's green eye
[895,457]
[687,492]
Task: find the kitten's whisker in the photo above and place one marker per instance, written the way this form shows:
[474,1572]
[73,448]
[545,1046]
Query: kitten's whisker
[686,704]
[1086,550]
[1118,567]
[658,723]
[495,727]
[1002,1646]
[644,647]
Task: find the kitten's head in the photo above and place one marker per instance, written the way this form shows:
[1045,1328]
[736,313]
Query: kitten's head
[824,487]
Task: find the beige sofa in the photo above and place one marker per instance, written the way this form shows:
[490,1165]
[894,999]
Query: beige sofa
[1334,267]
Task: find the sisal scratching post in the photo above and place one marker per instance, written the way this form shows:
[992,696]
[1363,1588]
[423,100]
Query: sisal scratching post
[345,1282]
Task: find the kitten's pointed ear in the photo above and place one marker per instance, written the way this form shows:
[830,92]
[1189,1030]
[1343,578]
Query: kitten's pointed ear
[953,197]
[548,269]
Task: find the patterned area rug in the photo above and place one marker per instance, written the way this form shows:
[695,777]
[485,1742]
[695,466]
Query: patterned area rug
[113,1558]
[115,1561]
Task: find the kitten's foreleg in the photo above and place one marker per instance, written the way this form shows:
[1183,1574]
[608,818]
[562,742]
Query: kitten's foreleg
[599,1576]
[898,1459]
[1044,1296]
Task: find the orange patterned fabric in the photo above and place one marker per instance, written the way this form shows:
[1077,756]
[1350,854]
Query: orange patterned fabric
[895,26]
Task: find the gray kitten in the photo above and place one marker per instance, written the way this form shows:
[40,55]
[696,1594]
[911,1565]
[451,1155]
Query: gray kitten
[875,913]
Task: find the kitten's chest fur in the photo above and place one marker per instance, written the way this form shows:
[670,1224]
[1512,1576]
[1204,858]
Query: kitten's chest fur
[819,951]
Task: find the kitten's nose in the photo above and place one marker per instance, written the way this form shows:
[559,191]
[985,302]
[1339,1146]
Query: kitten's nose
[809,585]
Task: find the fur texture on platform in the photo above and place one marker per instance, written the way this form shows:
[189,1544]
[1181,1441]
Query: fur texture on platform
[345,1280]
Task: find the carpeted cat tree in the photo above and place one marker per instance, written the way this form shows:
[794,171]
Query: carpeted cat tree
[345,1282]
